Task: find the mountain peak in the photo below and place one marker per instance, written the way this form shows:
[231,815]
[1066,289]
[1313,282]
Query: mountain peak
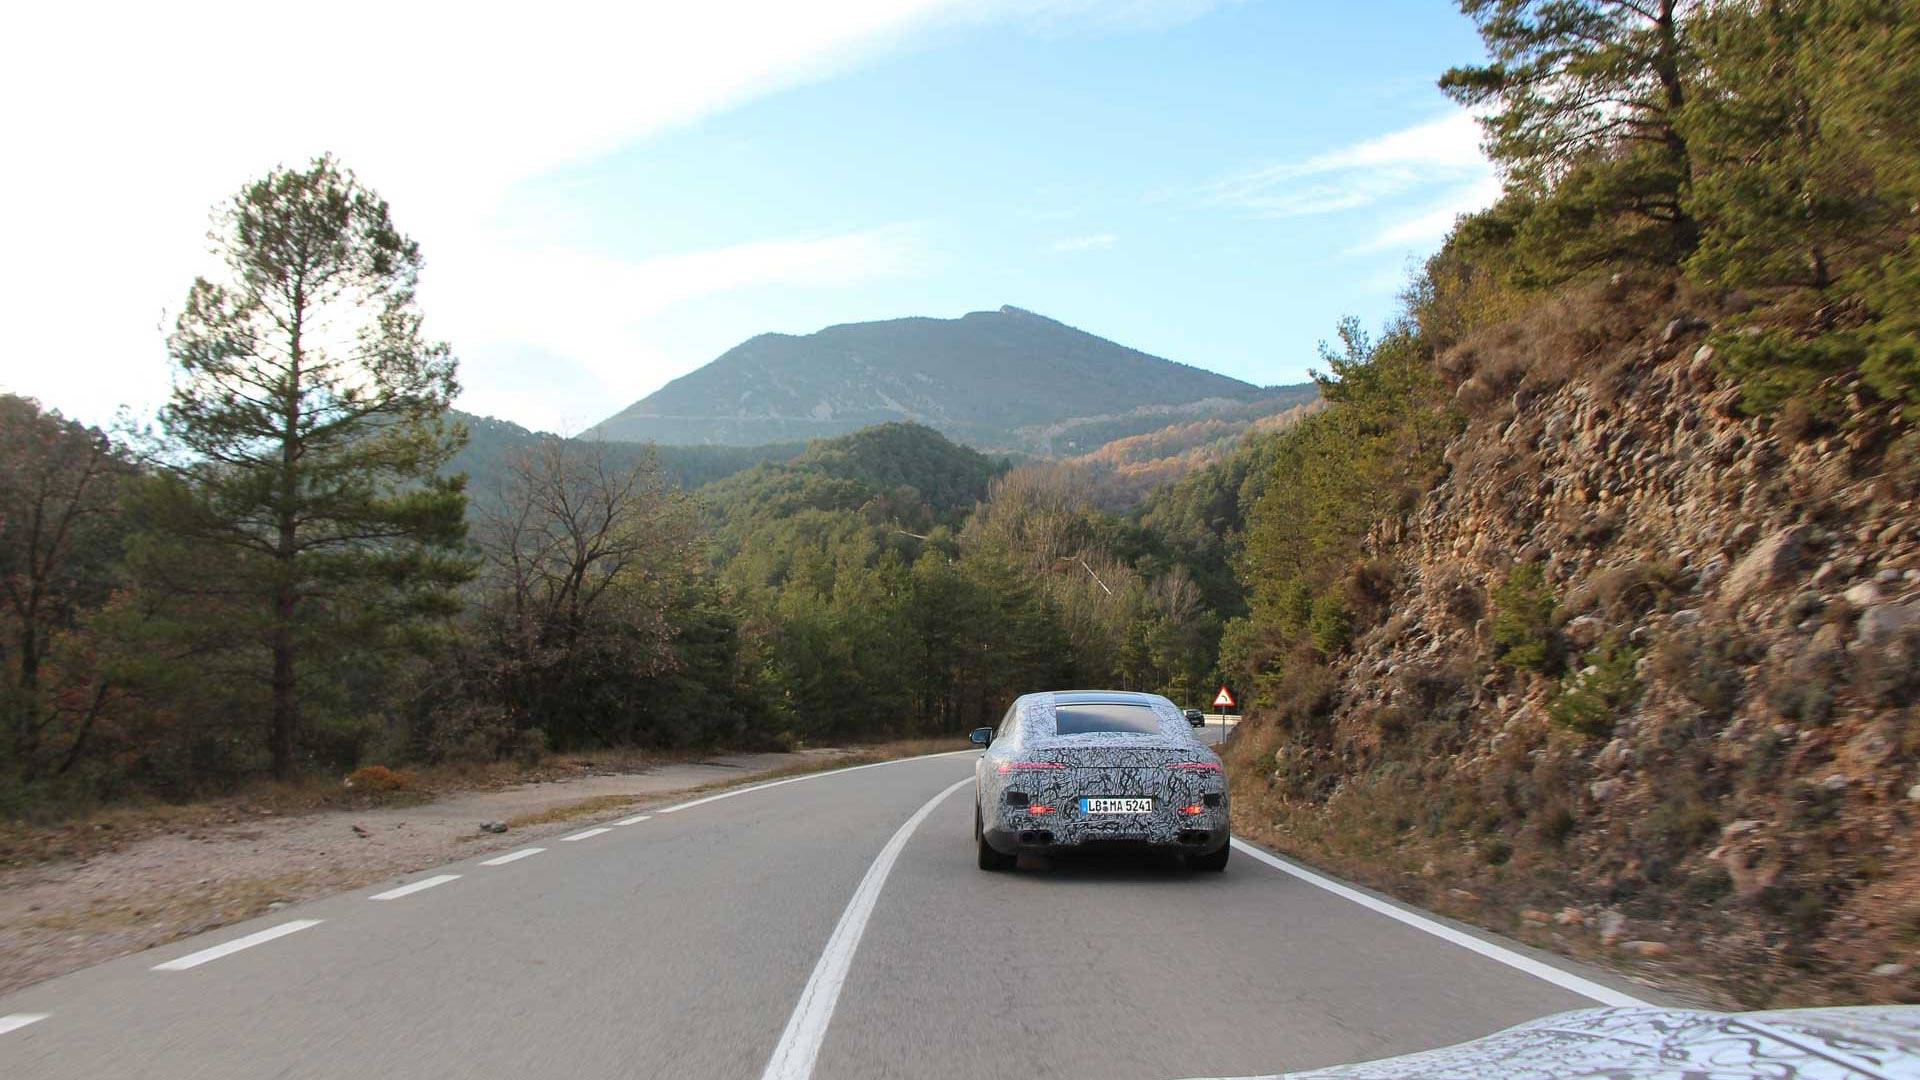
[981,378]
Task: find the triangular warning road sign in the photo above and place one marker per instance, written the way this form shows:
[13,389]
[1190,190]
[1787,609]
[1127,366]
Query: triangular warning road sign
[1223,699]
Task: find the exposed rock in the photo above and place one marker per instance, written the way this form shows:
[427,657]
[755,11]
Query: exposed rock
[1873,746]
[1647,949]
[1891,970]
[493,826]
[1884,622]
[1613,926]
[1865,594]
[1570,916]
[1713,571]
[1820,656]
[1769,561]
[1700,370]
[1584,631]
[1613,757]
[1680,326]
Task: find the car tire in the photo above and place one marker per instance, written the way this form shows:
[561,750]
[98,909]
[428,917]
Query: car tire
[988,857]
[1213,861]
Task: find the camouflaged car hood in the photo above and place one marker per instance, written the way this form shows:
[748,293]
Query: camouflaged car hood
[1864,1043]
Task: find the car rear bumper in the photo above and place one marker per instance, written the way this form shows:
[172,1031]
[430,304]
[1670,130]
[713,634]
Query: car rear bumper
[1039,837]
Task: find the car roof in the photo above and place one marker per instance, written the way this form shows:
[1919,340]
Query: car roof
[1103,697]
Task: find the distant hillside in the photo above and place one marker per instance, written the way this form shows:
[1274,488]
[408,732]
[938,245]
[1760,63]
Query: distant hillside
[492,442]
[1130,467]
[995,379]
[903,479]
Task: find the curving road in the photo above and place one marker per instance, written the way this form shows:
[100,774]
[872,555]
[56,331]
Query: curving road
[830,926]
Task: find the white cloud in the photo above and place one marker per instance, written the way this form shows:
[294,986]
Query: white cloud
[126,122]
[1438,152]
[590,311]
[1093,242]
[1427,227]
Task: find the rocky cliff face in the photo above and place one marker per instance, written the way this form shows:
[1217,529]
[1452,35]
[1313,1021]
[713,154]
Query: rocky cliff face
[1703,755]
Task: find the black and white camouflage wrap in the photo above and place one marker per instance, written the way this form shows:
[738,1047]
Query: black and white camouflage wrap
[1102,765]
[1861,1043]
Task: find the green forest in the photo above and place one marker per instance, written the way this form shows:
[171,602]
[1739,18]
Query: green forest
[282,576]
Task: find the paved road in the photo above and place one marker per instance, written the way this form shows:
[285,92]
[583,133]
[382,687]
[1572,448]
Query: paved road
[832,926]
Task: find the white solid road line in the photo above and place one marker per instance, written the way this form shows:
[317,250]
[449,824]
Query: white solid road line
[806,1029]
[634,820]
[808,776]
[409,890]
[16,1021]
[512,856]
[584,835]
[1563,979]
[192,960]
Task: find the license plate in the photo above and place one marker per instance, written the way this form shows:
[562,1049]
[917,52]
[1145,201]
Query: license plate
[1116,806]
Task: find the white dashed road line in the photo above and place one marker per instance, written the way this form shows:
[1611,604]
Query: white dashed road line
[193,960]
[409,890]
[634,820]
[16,1021]
[1565,980]
[512,856]
[806,1029]
[584,835]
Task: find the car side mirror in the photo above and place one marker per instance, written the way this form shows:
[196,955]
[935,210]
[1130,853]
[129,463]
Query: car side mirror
[981,736]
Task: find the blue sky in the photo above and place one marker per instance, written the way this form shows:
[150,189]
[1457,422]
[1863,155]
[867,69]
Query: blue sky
[610,206]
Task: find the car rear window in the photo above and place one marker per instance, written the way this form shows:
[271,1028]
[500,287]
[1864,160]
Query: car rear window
[1095,718]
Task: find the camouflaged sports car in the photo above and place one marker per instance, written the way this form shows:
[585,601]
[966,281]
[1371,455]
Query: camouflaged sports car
[1095,770]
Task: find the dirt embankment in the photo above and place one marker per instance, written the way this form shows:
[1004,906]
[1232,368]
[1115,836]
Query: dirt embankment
[1643,684]
[168,873]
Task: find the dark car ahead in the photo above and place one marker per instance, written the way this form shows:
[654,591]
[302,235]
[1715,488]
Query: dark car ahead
[1091,770]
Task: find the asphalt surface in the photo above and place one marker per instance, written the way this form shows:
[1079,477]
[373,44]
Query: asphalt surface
[808,928]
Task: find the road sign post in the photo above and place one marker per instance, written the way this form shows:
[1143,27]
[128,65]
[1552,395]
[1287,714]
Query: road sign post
[1223,703]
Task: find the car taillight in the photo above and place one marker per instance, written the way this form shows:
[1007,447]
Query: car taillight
[1196,766]
[1022,766]
[1039,808]
[1193,811]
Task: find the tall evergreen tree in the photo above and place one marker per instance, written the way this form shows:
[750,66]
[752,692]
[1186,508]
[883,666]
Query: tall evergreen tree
[302,439]
[1581,101]
[1798,124]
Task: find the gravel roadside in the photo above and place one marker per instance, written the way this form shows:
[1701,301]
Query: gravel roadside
[57,917]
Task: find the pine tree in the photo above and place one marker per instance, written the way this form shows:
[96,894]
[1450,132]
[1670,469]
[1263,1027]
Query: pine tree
[1798,125]
[301,507]
[1581,103]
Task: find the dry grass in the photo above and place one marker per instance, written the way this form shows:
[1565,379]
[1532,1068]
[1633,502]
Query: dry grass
[113,827]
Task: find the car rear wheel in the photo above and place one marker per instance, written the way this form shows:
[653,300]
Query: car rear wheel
[1214,861]
[989,858]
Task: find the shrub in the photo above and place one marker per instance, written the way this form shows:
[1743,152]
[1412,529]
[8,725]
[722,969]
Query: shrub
[1522,628]
[1591,700]
[1680,823]
[1706,668]
[1557,824]
[379,780]
[1330,625]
